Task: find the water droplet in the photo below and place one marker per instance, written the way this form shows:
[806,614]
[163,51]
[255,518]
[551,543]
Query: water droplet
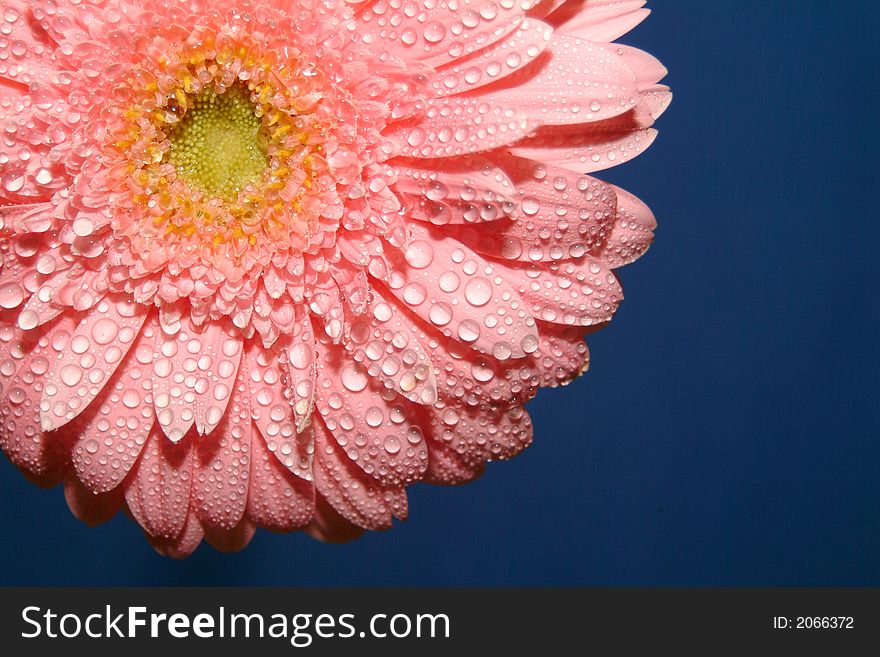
[420,254]
[468,330]
[530,205]
[434,32]
[392,444]
[354,377]
[11,295]
[104,331]
[71,375]
[478,291]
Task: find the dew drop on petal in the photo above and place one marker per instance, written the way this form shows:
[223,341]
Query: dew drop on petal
[478,291]
[434,32]
[11,295]
[353,377]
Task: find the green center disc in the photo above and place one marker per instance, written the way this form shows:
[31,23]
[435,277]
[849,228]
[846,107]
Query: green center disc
[219,146]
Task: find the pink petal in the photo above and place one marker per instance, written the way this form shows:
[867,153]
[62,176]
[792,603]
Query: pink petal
[632,234]
[577,81]
[222,465]
[561,215]
[193,374]
[460,125]
[112,437]
[462,295]
[158,492]
[223,346]
[88,507]
[656,98]
[277,500]
[467,375]
[562,355]
[447,468]
[581,292]
[38,178]
[385,348]
[98,346]
[27,217]
[327,309]
[182,545]
[483,434]
[273,413]
[356,497]
[15,285]
[459,371]
[451,31]
[174,384]
[441,213]
[467,179]
[42,455]
[377,428]
[584,151]
[302,371]
[647,68]
[599,20]
[329,526]
[85,290]
[354,288]
[497,61]
[465,190]
[40,309]
[231,540]
[10,89]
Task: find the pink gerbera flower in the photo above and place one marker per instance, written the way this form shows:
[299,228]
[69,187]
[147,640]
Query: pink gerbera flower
[269,262]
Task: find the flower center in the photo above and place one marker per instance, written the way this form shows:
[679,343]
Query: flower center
[217,159]
[220,145]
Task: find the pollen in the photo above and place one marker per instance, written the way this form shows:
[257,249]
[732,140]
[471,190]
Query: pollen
[220,145]
[226,164]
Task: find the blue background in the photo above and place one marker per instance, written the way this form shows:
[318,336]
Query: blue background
[728,432]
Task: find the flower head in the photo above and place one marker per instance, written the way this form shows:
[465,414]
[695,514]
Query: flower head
[268,262]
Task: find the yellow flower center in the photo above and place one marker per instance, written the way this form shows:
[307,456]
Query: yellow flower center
[220,145]
[219,167]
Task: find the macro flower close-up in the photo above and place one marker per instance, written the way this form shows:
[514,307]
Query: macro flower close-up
[267,263]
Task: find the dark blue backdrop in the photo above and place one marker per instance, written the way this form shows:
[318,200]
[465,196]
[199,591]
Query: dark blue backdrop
[728,432]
